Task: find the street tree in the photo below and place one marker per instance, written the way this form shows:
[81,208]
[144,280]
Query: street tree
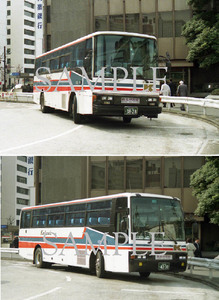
[205,185]
[202,33]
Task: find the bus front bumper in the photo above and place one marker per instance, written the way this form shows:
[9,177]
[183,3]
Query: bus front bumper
[177,262]
[126,111]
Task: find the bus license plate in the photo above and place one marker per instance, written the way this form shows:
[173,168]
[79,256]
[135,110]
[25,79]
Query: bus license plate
[163,266]
[130,110]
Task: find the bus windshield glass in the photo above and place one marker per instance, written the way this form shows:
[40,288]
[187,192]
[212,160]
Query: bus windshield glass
[157,215]
[125,51]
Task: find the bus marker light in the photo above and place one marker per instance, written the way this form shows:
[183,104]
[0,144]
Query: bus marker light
[140,264]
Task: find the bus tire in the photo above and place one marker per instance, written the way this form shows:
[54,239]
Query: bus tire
[99,265]
[127,120]
[78,119]
[144,275]
[38,258]
[44,109]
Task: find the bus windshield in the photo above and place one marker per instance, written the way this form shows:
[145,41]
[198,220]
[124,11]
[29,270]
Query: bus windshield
[157,215]
[125,51]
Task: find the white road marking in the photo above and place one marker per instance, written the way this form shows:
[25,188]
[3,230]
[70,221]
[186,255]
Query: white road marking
[68,278]
[43,140]
[43,294]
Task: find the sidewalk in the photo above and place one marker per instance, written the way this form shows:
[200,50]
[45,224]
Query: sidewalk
[212,116]
[201,274]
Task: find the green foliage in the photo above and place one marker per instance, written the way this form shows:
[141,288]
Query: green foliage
[205,185]
[215,92]
[202,34]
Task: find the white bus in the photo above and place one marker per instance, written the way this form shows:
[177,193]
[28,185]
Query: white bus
[119,233]
[80,77]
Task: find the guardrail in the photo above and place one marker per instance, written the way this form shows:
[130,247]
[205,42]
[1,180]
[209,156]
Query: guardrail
[211,264]
[16,96]
[202,102]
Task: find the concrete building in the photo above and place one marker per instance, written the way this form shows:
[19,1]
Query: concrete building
[17,189]
[23,24]
[3,38]
[60,179]
[162,18]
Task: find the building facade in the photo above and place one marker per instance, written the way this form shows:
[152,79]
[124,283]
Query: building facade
[23,20]
[67,178]
[17,189]
[162,18]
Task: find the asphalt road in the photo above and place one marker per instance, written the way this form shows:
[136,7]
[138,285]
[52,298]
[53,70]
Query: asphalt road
[21,280]
[26,130]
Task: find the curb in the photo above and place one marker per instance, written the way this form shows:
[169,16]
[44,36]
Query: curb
[192,116]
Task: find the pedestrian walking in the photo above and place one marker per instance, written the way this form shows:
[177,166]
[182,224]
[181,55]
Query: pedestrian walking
[172,90]
[197,252]
[190,248]
[165,91]
[182,91]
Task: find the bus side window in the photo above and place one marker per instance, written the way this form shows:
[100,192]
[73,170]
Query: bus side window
[25,219]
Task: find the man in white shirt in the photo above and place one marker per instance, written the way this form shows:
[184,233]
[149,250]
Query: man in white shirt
[165,91]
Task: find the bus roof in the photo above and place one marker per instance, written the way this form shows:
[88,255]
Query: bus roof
[108,197]
[95,34]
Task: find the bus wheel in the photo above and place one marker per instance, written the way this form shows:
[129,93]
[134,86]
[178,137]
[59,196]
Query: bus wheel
[144,274]
[127,120]
[38,258]
[78,119]
[44,108]
[99,265]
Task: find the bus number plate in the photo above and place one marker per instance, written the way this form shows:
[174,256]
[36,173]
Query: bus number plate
[163,266]
[130,110]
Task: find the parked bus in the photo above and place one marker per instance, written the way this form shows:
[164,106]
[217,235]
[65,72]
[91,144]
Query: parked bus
[80,77]
[119,233]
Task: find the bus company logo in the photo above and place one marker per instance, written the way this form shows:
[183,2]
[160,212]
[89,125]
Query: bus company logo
[101,78]
[102,244]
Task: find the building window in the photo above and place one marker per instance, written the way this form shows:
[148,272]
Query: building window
[29,14]
[116,173]
[152,170]
[8,31]
[29,23]
[8,41]
[29,42]
[29,71]
[134,173]
[48,43]
[21,169]
[191,164]
[116,22]
[48,14]
[8,12]
[98,173]
[148,23]
[132,23]
[22,201]
[18,211]
[29,32]
[8,3]
[172,169]
[29,51]
[165,24]
[28,61]
[100,23]
[9,22]
[22,191]
[181,17]
[21,179]
[8,61]
[28,4]
[22,158]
